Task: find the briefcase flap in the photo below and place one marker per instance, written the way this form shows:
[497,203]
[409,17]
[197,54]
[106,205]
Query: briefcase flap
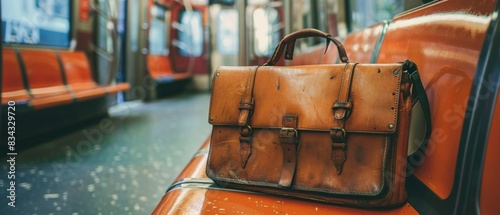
[309,93]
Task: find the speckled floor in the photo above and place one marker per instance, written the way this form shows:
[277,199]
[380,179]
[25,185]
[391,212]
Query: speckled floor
[120,165]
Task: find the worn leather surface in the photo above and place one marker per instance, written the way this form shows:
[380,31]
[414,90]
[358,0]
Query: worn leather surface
[376,132]
[289,141]
[308,92]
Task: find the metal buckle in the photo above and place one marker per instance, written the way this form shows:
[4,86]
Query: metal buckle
[344,134]
[250,131]
[289,130]
[335,136]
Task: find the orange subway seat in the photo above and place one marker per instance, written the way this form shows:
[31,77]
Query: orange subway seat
[447,66]
[89,94]
[45,79]
[159,66]
[117,87]
[43,73]
[359,45]
[199,200]
[78,76]
[12,82]
[77,71]
[316,55]
[51,101]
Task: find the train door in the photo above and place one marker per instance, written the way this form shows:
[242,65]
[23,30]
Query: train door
[177,43]
[189,49]
[119,74]
[250,44]
[157,53]
[134,49]
[224,33]
[110,31]
[265,29]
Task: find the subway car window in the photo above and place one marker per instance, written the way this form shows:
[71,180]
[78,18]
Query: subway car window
[227,32]
[266,31]
[190,33]
[36,22]
[158,32]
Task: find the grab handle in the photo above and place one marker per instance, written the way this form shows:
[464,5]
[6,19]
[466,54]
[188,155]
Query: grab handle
[287,45]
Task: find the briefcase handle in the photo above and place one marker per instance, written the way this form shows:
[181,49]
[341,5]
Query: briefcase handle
[287,44]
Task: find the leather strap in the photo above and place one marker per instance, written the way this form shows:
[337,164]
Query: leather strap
[341,109]
[289,140]
[343,105]
[246,109]
[419,92]
[247,102]
[424,102]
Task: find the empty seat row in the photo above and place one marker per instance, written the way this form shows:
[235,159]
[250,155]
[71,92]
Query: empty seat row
[47,78]
[160,69]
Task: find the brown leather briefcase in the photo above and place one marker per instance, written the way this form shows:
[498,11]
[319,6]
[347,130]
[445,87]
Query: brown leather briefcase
[334,133]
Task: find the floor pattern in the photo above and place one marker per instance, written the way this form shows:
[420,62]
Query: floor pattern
[122,164]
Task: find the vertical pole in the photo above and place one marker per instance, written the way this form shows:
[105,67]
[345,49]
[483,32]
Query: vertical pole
[288,18]
[348,16]
[242,8]
[288,10]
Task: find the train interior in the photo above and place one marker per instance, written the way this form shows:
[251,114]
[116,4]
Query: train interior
[105,103]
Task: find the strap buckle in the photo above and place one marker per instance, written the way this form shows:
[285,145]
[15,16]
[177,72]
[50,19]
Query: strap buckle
[338,135]
[286,131]
[250,131]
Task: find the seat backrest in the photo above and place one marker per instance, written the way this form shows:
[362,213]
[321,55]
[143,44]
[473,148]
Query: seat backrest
[42,68]
[77,70]
[315,55]
[446,47]
[159,66]
[12,79]
[360,45]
